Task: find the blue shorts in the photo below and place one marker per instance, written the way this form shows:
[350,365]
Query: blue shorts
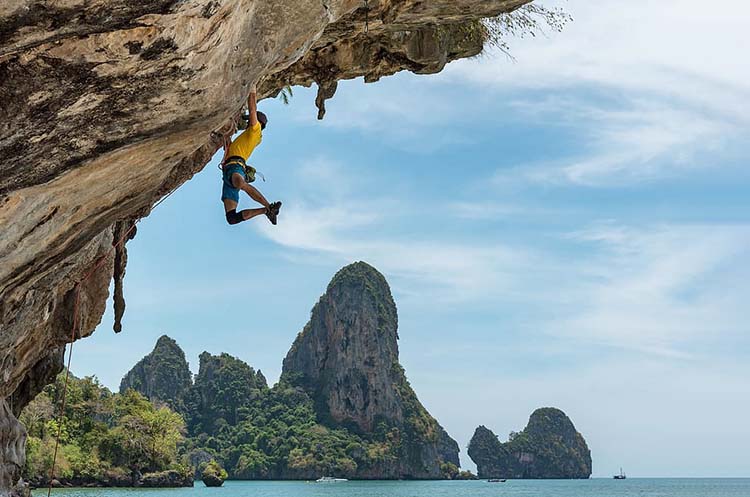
[228,191]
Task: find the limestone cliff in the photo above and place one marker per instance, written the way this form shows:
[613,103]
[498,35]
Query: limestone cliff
[107,105]
[223,385]
[163,375]
[346,358]
[549,447]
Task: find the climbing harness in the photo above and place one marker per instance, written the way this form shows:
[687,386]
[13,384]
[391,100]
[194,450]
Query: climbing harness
[249,170]
[76,313]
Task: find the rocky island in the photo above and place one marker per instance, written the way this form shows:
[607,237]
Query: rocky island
[346,360]
[549,447]
[343,406]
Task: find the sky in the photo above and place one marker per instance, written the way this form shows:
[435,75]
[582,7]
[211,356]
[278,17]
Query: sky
[570,228]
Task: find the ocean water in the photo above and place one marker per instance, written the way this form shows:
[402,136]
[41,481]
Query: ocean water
[632,487]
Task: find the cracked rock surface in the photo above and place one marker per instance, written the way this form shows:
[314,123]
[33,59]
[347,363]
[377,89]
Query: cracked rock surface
[107,105]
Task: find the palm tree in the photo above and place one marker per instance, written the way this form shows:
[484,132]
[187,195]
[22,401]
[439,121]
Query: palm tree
[285,94]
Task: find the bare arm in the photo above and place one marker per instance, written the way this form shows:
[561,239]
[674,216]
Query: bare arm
[252,106]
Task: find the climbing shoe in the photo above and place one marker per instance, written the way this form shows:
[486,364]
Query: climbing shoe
[272,211]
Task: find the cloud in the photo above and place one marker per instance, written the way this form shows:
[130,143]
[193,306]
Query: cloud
[350,231]
[660,290]
[642,141]
[652,288]
[355,223]
[650,90]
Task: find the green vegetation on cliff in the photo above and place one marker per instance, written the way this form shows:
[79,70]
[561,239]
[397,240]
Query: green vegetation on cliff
[344,409]
[224,386]
[162,375]
[276,433]
[549,447]
[346,359]
[104,436]
[213,474]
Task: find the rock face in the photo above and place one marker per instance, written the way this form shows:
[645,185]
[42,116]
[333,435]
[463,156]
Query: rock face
[223,385]
[346,359]
[163,375]
[549,447]
[12,443]
[108,105]
[166,479]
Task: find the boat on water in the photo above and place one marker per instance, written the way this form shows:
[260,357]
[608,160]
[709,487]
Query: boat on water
[330,479]
[496,480]
[621,476]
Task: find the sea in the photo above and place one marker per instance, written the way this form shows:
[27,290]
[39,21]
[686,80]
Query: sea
[632,487]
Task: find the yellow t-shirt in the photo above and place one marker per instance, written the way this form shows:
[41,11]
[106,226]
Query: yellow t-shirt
[244,145]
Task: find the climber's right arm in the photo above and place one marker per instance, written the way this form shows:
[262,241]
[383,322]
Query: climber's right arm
[252,106]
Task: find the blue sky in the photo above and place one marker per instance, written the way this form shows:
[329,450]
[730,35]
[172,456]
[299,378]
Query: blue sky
[570,229]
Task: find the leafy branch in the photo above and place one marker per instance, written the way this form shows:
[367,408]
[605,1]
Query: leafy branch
[528,20]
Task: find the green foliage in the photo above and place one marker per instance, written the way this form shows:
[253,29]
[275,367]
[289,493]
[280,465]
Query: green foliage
[100,432]
[144,438]
[549,447]
[286,94]
[214,469]
[530,19]
[224,389]
[418,423]
[162,375]
[449,470]
[232,418]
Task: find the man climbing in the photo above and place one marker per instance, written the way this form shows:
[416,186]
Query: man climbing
[237,174]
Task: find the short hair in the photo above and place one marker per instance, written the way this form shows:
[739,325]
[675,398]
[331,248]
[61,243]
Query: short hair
[262,119]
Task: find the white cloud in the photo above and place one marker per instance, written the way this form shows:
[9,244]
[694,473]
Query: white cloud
[350,231]
[659,290]
[676,48]
[649,88]
[653,289]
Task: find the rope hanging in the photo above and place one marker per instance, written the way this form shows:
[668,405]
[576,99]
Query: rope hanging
[76,316]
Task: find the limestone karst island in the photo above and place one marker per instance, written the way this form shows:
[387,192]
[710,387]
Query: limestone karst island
[367,248]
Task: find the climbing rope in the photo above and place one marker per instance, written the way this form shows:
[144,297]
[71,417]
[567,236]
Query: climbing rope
[76,305]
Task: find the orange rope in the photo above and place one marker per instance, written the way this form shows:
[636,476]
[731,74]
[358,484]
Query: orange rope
[76,313]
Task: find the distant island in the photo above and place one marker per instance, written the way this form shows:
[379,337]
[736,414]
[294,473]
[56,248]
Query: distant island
[549,447]
[342,407]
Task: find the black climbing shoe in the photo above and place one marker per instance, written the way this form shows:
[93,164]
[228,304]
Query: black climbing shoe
[272,211]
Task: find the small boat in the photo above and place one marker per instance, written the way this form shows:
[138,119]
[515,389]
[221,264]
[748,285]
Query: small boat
[496,480]
[621,476]
[330,479]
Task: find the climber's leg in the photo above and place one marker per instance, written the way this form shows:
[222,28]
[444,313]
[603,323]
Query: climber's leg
[239,182]
[251,213]
[229,204]
[234,217]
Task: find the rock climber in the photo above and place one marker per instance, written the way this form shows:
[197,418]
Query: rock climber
[237,174]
